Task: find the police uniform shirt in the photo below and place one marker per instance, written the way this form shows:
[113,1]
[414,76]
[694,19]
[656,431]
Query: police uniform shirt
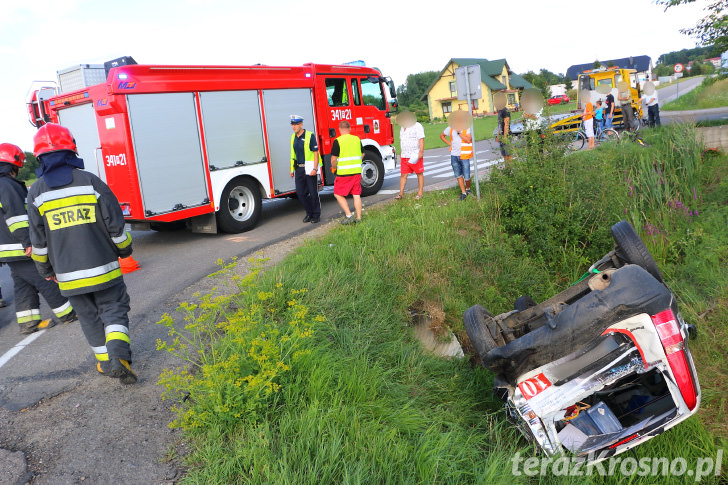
[298,142]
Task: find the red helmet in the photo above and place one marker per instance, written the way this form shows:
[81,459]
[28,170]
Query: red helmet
[10,153]
[52,138]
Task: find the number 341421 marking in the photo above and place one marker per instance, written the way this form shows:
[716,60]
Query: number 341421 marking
[115,160]
[340,114]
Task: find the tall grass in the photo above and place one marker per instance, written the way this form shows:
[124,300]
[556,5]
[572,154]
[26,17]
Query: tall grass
[366,404]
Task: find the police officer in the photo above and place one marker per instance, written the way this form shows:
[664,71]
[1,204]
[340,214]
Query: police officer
[15,250]
[77,230]
[304,167]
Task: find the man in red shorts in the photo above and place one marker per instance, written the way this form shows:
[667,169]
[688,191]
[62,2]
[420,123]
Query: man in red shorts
[346,152]
[412,148]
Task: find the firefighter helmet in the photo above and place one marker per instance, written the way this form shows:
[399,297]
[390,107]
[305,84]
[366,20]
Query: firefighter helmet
[12,154]
[52,138]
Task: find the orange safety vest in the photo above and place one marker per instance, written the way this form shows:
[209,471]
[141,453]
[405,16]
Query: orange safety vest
[466,149]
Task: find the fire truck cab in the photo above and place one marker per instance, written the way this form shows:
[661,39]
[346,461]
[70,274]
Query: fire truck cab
[205,144]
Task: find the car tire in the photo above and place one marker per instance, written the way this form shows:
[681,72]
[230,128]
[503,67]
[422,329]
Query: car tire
[524,303]
[631,250]
[476,319]
[240,206]
[372,173]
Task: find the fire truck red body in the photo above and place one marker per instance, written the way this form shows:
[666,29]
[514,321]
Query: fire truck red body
[205,144]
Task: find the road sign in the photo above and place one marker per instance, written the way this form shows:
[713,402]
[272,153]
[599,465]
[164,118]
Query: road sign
[678,68]
[468,76]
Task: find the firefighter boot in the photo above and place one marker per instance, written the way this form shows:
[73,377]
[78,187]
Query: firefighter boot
[70,318]
[32,327]
[122,370]
[104,368]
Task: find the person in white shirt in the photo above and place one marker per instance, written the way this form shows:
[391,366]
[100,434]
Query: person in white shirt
[653,107]
[461,148]
[412,150]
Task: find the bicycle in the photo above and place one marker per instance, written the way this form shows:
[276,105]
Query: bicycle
[576,141]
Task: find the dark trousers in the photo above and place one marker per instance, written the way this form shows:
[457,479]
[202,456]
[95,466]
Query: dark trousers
[104,321]
[307,192]
[28,283]
[628,120]
[653,112]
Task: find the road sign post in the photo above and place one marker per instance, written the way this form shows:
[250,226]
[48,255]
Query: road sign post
[468,82]
[678,70]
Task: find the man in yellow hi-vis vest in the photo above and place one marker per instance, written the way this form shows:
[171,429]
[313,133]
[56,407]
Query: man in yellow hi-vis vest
[346,156]
[304,167]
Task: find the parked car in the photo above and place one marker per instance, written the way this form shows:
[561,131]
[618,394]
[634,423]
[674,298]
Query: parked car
[599,368]
[559,99]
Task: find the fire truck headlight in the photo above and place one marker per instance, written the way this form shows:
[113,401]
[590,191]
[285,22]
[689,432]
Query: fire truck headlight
[122,76]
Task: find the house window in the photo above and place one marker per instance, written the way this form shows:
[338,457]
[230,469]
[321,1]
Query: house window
[453,89]
[504,81]
[447,107]
[475,104]
[511,99]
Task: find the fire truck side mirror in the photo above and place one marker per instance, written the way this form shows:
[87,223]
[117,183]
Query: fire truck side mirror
[392,88]
[394,103]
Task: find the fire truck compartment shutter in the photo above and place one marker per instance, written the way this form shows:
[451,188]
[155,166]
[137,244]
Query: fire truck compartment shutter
[167,150]
[233,128]
[279,104]
[81,120]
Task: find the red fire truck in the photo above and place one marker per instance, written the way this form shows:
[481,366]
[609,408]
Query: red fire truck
[205,144]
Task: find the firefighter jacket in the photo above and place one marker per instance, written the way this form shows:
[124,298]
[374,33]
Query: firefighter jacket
[14,237]
[349,159]
[78,233]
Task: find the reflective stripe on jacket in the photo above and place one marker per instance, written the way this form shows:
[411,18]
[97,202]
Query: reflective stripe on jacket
[308,154]
[78,233]
[14,234]
[350,156]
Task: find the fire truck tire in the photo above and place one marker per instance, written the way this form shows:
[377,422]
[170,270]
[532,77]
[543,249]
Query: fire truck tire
[632,250]
[240,206]
[372,173]
[167,226]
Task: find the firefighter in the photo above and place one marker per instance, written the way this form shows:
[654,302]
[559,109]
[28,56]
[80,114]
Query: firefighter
[304,167]
[77,230]
[15,250]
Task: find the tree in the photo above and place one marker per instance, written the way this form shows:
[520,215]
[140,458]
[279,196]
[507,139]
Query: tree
[414,89]
[663,70]
[711,29]
[610,63]
[28,170]
[567,81]
[597,64]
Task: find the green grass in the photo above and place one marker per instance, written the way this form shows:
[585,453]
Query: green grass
[367,405]
[714,95]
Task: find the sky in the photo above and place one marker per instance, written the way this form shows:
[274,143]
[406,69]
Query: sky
[40,37]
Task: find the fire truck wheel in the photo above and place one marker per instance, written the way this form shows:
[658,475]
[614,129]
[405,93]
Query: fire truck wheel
[372,173]
[240,206]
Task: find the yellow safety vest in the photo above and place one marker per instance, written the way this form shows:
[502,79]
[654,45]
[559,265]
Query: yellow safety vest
[349,160]
[308,154]
[466,149]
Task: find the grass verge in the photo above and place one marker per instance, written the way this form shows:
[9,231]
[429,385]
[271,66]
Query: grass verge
[712,93]
[311,374]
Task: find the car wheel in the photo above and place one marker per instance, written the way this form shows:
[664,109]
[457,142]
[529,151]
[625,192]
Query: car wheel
[240,206]
[630,249]
[476,319]
[524,303]
[372,173]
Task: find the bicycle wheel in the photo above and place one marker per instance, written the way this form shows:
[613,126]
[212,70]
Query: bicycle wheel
[608,134]
[575,141]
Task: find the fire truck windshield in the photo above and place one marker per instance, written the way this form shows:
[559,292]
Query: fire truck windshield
[371,93]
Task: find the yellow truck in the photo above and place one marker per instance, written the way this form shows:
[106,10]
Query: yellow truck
[599,83]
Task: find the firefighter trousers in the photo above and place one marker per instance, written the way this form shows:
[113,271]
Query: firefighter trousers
[28,283]
[104,321]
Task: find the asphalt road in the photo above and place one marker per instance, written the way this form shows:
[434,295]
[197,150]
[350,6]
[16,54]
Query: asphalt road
[73,424]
